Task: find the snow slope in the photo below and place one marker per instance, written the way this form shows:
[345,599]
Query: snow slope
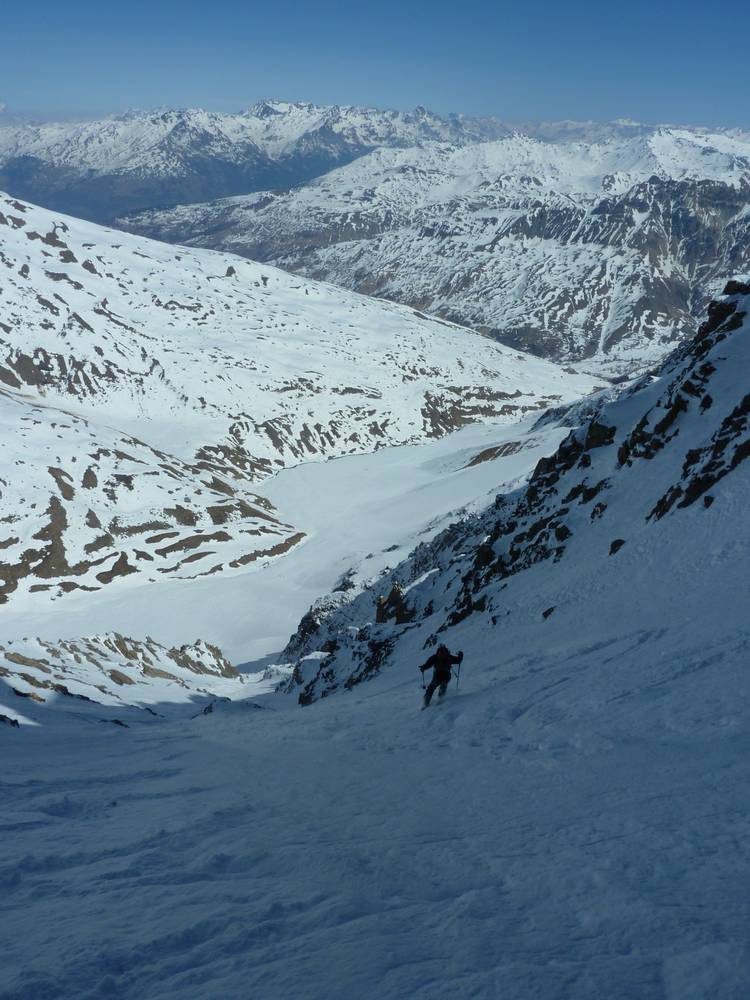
[636,522]
[244,366]
[605,250]
[147,390]
[570,822]
[84,507]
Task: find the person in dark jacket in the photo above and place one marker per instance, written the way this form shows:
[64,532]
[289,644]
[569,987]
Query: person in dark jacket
[440,663]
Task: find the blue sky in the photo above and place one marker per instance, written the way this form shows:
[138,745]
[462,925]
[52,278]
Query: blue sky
[651,61]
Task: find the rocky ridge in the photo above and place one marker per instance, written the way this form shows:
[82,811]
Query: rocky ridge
[648,490]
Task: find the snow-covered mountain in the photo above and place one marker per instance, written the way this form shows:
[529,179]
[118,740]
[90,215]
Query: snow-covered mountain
[146,389]
[571,820]
[636,522]
[571,240]
[98,169]
[606,250]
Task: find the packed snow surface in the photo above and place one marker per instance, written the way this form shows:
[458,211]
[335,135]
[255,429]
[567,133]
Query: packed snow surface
[571,822]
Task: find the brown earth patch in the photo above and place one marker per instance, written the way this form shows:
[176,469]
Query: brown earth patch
[121,568]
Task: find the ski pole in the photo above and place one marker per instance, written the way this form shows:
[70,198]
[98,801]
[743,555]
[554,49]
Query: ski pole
[458,676]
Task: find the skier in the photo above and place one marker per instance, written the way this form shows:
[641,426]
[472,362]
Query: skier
[440,662]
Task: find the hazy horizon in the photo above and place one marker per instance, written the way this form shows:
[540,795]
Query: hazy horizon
[51,115]
[580,63]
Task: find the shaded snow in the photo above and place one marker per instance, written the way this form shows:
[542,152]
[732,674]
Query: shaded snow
[570,823]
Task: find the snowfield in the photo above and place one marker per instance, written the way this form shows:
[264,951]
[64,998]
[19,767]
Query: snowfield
[569,823]
[359,515]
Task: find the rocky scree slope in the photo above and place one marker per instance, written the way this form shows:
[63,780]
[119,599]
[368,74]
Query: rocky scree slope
[638,520]
[144,389]
[606,251]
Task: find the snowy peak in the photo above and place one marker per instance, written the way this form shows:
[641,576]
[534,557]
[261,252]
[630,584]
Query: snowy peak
[144,159]
[98,169]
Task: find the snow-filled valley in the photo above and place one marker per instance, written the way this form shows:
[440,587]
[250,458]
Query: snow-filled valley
[359,515]
[238,510]
[148,390]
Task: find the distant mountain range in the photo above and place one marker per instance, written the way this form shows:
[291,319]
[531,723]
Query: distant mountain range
[99,169]
[605,252]
[578,242]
